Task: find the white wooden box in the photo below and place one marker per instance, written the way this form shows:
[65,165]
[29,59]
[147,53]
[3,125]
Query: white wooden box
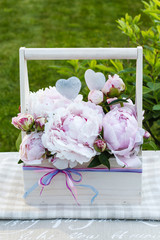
[113,187]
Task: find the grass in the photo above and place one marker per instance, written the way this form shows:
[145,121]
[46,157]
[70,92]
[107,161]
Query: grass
[39,23]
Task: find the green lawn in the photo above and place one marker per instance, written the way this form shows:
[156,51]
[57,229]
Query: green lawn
[50,23]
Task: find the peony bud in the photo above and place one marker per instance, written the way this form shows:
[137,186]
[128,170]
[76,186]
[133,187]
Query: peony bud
[114,86]
[99,145]
[39,123]
[23,121]
[95,96]
[146,135]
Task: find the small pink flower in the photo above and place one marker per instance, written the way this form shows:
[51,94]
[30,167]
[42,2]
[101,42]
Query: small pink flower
[23,121]
[99,145]
[114,86]
[95,96]
[39,123]
[147,135]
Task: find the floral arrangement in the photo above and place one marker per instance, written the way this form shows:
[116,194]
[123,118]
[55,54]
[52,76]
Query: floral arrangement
[66,131]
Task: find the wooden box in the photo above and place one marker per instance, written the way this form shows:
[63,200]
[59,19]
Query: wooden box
[118,186]
[113,187]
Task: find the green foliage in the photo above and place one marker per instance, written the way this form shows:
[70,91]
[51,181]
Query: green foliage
[103,159]
[18,141]
[20,161]
[150,40]
[46,24]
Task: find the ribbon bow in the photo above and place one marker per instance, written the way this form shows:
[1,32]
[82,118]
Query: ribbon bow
[46,179]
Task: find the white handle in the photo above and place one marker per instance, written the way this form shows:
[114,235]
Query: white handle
[80,53]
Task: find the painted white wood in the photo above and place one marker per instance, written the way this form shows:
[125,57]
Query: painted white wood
[24,84]
[22,79]
[139,84]
[79,53]
[113,188]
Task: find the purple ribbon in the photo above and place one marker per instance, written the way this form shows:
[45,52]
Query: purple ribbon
[46,179]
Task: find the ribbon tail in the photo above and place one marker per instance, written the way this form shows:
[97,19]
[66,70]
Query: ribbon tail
[31,190]
[92,188]
[72,186]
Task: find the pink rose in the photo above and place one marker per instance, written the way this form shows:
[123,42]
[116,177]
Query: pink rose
[70,133]
[95,96]
[44,102]
[123,136]
[32,149]
[114,86]
[23,121]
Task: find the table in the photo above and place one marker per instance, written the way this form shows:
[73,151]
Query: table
[75,229]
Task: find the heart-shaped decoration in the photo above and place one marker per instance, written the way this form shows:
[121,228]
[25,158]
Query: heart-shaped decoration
[69,88]
[94,81]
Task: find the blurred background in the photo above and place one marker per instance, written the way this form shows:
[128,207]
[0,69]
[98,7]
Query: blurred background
[78,23]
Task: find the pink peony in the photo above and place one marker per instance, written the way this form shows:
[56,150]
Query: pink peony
[128,104]
[114,86]
[32,149]
[123,136]
[23,121]
[46,101]
[70,133]
[95,96]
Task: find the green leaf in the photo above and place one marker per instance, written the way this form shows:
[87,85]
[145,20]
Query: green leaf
[153,86]
[158,122]
[147,78]
[150,146]
[65,71]
[122,23]
[20,161]
[105,68]
[156,107]
[145,3]
[137,18]
[94,163]
[149,56]
[127,70]
[18,141]
[104,159]
[117,101]
[156,115]
[93,64]
[74,64]
[146,90]
[55,66]
[117,64]
[157,2]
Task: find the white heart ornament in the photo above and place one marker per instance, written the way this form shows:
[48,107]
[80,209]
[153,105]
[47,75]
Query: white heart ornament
[69,88]
[94,81]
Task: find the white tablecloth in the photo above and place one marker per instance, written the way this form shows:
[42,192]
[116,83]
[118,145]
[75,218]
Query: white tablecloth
[12,204]
[74,229]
